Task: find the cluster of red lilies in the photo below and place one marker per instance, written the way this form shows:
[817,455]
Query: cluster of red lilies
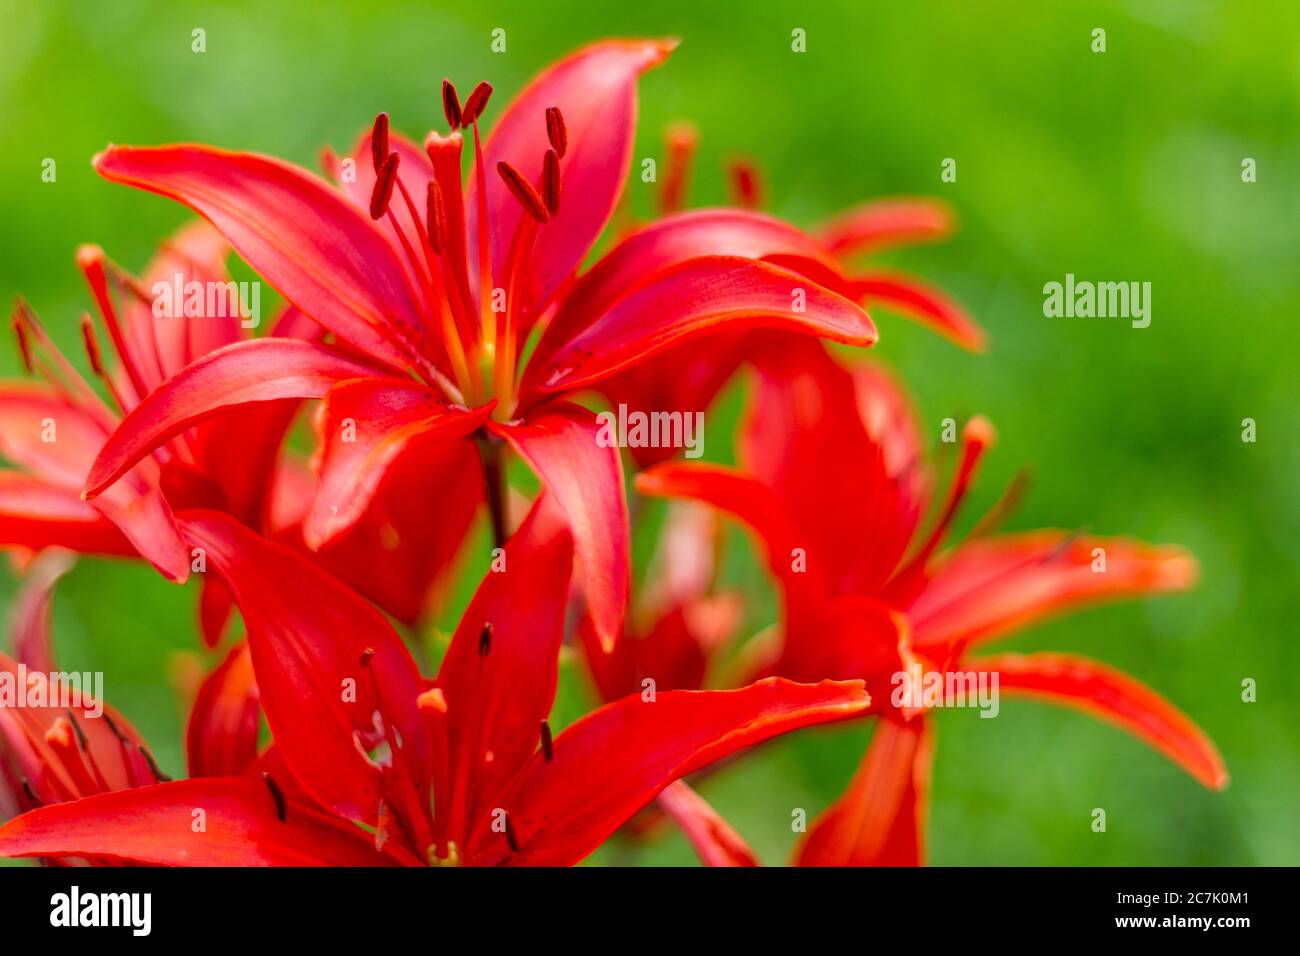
[445,329]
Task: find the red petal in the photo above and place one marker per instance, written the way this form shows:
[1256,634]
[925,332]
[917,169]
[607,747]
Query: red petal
[672,241]
[712,837]
[364,426]
[35,514]
[215,609]
[753,503]
[308,634]
[595,90]
[309,243]
[221,739]
[888,222]
[988,587]
[560,443]
[31,614]
[1114,697]
[880,819]
[615,760]
[157,825]
[499,688]
[260,370]
[710,294]
[928,306]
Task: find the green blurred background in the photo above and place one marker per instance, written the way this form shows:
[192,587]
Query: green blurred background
[1124,165]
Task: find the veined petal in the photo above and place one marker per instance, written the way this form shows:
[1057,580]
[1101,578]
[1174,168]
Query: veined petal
[364,425]
[595,90]
[612,762]
[988,587]
[674,240]
[561,443]
[888,222]
[709,294]
[35,514]
[918,301]
[308,635]
[1114,697]
[713,838]
[309,243]
[221,740]
[880,819]
[500,672]
[155,825]
[259,370]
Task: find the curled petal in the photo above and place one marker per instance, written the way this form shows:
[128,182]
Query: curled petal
[888,222]
[221,739]
[1114,697]
[713,838]
[926,305]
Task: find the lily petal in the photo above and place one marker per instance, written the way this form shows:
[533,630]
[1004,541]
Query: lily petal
[700,296]
[595,89]
[31,614]
[259,370]
[614,761]
[155,825]
[713,838]
[888,222]
[1114,697]
[880,819]
[308,635]
[988,587]
[926,305]
[221,740]
[311,244]
[364,425]
[560,442]
[501,670]
[35,514]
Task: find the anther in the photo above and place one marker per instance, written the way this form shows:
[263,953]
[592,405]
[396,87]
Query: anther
[153,765]
[82,742]
[555,130]
[379,140]
[281,808]
[451,105]
[548,746]
[24,344]
[523,191]
[383,191]
[92,345]
[485,640]
[31,794]
[551,181]
[366,656]
[112,726]
[476,104]
[510,835]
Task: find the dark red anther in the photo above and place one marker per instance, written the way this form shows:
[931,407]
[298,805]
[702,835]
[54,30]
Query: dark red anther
[548,747]
[555,130]
[379,140]
[510,835]
[24,345]
[551,181]
[476,104]
[281,807]
[485,641]
[92,345]
[153,765]
[436,218]
[523,191]
[366,656]
[383,190]
[112,726]
[31,794]
[451,105]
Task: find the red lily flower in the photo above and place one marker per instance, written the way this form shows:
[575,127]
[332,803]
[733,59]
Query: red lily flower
[835,479]
[54,430]
[51,753]
[365,748]
[411,269]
